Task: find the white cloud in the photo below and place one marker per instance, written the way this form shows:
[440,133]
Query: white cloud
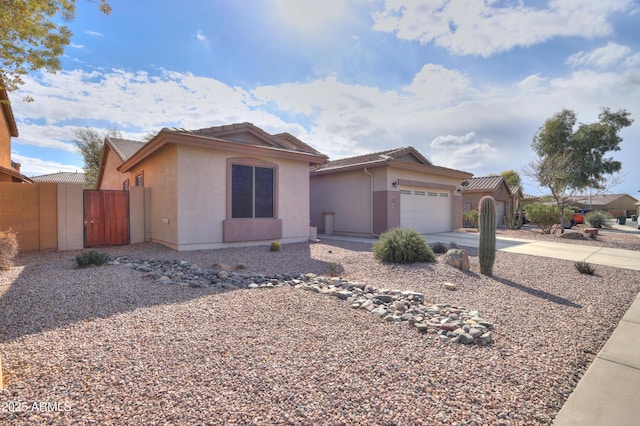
[35,166]
[311,17]
[202,38]
[438,85]
[93,33]
[471,27]
[477,129]
[601,57]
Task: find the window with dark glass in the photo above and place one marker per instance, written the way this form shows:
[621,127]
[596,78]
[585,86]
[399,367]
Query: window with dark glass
[140,180]
[125,185]
[252,192]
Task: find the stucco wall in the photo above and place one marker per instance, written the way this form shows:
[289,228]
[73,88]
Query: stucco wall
[160,175]
[112,178]
[348,195]
[202,197]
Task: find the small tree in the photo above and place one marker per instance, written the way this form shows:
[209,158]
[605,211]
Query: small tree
[570,161]
[89,142]
[545,216]
[512,178]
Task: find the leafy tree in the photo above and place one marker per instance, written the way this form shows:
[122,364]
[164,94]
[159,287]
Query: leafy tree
[89,142]
[511,177]
[570,161]
[545,215]
[32,37]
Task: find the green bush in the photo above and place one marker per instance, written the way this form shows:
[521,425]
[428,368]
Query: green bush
[471,217]
[275,246]
[439,247]
[584,268]
[8,248]
[399,245]
[91,257]
[596,219]
[334,269]
[546,216]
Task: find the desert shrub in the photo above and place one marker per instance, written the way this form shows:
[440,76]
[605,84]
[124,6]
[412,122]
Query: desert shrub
[275,246]
[546,216]
[91,257]
[334,269]
[399,245]
[596,219]
[471,217]
[453,245]
[439,247]
[8,248]
[584,268]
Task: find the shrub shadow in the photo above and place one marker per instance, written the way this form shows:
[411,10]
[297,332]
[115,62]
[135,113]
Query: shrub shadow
[537,293]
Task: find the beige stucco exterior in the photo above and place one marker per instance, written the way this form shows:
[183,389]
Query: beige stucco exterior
[188,184]
[366,201]
[113,180]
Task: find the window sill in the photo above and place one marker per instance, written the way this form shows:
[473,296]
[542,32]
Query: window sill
[238,230]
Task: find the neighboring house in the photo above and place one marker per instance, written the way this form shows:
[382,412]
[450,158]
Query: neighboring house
[61,177]
[220,186]
[370,194]
[9,170]
[494,186]
[605,202]
[115,152]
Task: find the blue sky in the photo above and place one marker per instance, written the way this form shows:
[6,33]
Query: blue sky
[466,82]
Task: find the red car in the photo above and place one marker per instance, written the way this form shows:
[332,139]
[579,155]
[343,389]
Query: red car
[578,217]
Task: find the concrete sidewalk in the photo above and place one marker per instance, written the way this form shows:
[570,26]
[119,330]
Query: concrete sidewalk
[618,258]
[609,391]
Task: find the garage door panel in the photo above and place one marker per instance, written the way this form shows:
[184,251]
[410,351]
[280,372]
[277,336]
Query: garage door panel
[426,210]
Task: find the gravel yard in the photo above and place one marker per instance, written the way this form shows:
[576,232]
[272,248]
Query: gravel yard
[108,346]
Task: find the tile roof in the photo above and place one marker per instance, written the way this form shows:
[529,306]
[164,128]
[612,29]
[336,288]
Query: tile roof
[125,148]
[598,200]
[61,177]
[373,158]
[233,132]
[480,184]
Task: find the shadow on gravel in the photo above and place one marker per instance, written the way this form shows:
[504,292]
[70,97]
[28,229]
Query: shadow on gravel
[50,292]
[538,293]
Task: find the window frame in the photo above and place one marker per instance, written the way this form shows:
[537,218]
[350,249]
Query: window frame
[251,162]
[141,176]
[125,185]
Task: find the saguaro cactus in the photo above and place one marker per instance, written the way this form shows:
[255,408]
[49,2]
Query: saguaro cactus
[487,225]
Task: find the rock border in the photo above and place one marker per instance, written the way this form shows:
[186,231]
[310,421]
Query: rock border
[450,323]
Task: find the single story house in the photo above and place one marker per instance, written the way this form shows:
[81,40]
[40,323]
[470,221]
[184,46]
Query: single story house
[116,151]
[369,194]
[9,170]
[606,202]
[219,186]
[493,186]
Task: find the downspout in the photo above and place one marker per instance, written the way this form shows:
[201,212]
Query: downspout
[371,207]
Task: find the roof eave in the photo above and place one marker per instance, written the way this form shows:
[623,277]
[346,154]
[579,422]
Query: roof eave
[8,112]
[15,174]
[167,136]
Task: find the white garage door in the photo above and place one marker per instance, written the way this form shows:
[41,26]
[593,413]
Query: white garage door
[426,210]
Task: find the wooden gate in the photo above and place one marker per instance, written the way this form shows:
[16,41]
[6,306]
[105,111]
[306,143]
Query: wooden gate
[106,218]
